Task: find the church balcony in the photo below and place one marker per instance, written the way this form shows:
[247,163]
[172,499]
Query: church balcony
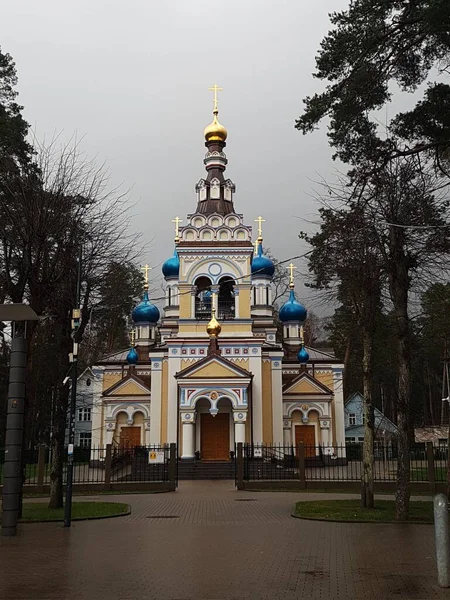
[225,310]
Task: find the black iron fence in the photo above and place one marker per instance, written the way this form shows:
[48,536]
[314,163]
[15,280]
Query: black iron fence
[339,463]
[102,465]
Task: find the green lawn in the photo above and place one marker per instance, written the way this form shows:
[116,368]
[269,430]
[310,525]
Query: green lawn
[421,474]
[39,511]
[350,510]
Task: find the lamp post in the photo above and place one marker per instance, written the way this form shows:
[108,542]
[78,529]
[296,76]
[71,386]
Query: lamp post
[76,316]
[13,472]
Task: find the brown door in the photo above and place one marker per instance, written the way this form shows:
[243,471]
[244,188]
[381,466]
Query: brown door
[130,437]
[307,435]
[215,436]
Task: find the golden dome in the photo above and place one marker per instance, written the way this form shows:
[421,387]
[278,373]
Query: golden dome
[213,328]
[215,132]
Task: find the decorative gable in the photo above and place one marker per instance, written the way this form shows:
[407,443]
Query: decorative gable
[129,386]
[306,384]
[213,367]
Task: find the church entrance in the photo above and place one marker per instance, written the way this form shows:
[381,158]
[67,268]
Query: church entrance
[215,436]
[307,435]
[130,437]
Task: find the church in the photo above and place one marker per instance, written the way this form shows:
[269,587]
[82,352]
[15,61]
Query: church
[219,366]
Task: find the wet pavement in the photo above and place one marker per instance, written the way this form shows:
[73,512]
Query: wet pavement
[207,541]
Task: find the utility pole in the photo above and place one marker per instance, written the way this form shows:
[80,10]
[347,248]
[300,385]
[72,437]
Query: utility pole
[76,317]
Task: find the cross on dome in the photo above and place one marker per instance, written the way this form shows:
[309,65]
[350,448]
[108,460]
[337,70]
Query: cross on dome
[146,268]
[177,222]
[291,268]
[260,221]
[215,88]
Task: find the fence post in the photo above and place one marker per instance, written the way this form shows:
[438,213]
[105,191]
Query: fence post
[430,467]
[173,467]
[301,465]
[108,466]
[240,466]
[41,468]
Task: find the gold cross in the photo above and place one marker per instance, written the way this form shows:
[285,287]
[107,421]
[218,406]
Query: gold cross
[260,221]
[215,88]
[133,337]
[177,222]
[146,269]
[291,276]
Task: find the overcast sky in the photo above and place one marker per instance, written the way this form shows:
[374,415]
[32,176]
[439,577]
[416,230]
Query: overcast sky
[132,78]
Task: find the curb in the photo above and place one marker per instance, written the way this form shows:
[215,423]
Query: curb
[361,522]
[122,514]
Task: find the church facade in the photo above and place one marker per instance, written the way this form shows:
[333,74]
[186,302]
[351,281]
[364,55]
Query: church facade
[212,370]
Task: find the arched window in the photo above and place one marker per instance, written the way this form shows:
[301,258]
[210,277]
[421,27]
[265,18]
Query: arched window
[203,298]
[226,303]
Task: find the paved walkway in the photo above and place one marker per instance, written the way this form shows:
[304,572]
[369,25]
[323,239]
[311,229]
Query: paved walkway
[219,544]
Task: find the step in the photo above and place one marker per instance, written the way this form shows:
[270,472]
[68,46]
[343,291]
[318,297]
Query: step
[205,470]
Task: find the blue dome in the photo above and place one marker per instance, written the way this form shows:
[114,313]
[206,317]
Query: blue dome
[145,311]
[261,265]
[292,310]
[171,268]
[303,356]
[132,357]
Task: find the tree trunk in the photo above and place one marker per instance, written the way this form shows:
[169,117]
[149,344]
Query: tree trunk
[57,446]
[400,300]
[367,498]
[347,356]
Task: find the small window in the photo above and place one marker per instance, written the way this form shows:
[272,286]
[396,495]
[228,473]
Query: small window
[88,382]
[363,418]
[351,440]
[85,439]
[84,414]
[360,439]
[352,419]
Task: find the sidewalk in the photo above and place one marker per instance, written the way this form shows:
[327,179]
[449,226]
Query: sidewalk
[207,541]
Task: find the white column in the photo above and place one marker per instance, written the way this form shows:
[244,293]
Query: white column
[324,428]
[172,400]
[97,408]
[188,420]
[277,399]
[240,417]
[287,437]
[236,301]
[339,405]
[255,367]
[156,399]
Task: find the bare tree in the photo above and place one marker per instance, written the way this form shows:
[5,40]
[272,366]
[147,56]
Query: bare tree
[62,204]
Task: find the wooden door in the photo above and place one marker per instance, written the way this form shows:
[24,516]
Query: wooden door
[215,436]
[130,437]
[307,435]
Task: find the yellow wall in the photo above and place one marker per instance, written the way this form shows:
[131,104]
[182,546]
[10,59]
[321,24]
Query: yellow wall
[110,379]
[214,369]
[201,328]
[164,400]
[304,387]
[267,402]
[185,302]
[130,389]
[244,304]
[187,362]
[325,378]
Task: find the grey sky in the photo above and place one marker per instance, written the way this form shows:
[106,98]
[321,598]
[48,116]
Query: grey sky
[132,78]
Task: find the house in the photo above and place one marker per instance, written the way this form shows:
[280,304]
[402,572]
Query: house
[385,429]
[84,410]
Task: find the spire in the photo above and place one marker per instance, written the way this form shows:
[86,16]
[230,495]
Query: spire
[214,193]
[132,356]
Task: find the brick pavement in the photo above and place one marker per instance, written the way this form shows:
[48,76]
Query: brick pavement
[218,547]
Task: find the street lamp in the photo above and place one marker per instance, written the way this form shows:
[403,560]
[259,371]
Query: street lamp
[13,472]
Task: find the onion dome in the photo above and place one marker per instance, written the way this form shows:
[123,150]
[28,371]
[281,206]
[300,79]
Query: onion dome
[132,357]
[215,132]
[213,328]
[292,310]
[303,355]
[262,265]
[145,311]
[171,268]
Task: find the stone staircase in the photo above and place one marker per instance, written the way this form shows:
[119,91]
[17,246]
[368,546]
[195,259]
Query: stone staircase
[197,469]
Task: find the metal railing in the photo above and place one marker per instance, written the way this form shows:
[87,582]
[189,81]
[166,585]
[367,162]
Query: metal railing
[225,310]
[338,463]
[137,464]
